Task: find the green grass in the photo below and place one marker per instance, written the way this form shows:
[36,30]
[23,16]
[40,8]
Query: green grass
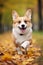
[38,36]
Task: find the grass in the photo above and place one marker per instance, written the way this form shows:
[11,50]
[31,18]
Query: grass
[38,36]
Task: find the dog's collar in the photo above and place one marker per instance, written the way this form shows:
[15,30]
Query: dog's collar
[21,34]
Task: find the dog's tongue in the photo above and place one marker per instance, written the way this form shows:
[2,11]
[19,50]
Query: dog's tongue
[23,30]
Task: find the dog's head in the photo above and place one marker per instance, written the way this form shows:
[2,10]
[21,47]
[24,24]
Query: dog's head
[22,24]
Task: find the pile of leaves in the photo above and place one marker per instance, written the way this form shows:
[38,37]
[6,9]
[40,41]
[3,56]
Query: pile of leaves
[8,55]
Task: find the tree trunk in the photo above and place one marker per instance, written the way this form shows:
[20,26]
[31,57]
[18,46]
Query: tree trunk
[1,13]
[1,29]
[40,14]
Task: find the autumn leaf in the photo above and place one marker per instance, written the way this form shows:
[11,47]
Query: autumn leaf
[6,56]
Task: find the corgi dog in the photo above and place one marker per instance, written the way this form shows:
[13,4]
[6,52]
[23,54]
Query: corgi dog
[22,30]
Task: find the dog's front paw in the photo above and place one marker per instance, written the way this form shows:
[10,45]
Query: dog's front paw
[25,44]
[18,50]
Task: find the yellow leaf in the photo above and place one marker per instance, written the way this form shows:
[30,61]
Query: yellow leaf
[6,56]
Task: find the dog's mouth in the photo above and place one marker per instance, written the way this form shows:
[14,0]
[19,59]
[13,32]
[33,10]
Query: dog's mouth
[22,29]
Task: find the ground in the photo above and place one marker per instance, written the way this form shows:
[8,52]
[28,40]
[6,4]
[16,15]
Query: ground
[37,36]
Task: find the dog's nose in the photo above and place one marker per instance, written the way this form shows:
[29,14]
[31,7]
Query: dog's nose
[23,26]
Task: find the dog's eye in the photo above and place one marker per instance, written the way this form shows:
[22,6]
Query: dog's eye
[25,21]
[19,21]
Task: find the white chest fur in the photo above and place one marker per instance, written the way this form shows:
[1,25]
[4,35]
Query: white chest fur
[19,38]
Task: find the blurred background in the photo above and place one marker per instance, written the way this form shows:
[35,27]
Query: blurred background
[6,7]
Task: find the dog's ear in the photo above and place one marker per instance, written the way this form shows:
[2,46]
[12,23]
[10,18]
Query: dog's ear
[14,15]
[28,13]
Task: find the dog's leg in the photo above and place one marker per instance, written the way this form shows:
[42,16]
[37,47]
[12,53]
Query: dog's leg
[25,44]
[18,50]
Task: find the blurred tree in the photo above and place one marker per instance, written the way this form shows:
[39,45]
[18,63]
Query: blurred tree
[0,23]
[2,2]
[40,14]
[1,6]
[9,5]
